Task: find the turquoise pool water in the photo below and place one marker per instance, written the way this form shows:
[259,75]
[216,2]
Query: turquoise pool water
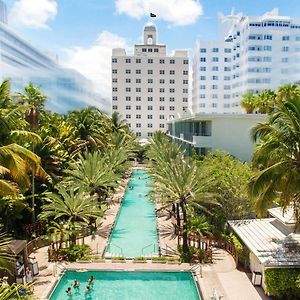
[135,232]
[114,285]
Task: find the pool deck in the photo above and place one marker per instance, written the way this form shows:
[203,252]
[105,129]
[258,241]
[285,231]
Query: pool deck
[221,275]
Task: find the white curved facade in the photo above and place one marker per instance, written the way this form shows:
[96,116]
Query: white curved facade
[257,53]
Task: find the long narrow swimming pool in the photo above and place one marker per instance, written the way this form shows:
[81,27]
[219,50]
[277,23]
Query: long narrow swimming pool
[135,233]
[114,285]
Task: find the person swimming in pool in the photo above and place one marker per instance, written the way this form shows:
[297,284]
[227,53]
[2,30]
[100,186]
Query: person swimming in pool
[76,284]
[91,280]
[69,291]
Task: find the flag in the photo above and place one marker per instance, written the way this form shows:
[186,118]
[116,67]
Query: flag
[152,15]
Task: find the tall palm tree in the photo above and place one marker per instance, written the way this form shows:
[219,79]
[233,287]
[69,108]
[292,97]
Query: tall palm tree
[265,101]
[277,155]
[71,205]
[288,91]
[118,124]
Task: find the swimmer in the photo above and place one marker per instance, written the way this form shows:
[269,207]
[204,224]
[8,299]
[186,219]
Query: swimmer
[69,291]
[91,280]
[76,284]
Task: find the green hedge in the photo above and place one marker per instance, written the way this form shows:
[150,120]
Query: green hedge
[283,283]
[241,250]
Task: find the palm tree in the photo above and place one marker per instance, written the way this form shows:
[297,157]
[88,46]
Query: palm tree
[72,205]
[265,101]
[248,102]
[277,156]
[199,226]
[178,182]
[288,91]
[93,173]
[6,256]
[118,124]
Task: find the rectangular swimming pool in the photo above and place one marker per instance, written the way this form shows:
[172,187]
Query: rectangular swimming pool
[135,233]
[125,285]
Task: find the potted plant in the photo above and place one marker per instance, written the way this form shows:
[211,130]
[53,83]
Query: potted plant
[140,259]
[173,260]
[159,259]
[118,259]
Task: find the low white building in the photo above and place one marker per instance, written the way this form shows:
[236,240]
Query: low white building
[209,132]
[271,242]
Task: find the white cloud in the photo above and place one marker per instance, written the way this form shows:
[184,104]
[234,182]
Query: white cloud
[176,12]
[33,13]
[95,62]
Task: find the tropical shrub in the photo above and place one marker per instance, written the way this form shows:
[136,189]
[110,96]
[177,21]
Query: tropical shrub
[283,283]
[241,250]
[75,252]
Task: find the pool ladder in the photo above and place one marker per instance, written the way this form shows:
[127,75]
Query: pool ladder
[112,254]
[155,250]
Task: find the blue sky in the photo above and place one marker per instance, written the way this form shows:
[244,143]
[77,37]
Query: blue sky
[82,32]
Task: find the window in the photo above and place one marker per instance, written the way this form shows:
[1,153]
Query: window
[172,72]
[202,50]
[115,107]
[144,50]
[185,91]
[138,116]
[203,69]
[161,108]
[214,105]
[129,125]
[138,90]
[150,99]
[150,50]
[138,98]
[138,125]
[227,59]
[161,99]
[150,90]
[114,89]
[161,61]
[202,87]
[227,87]
[161,90]
[115,98]
[202,104]
[138,60]
[138,80]
[215,50]
[267,37]
[227,69]
[214,87]
[227,50]
[203,59]
[285,37]
[138,107]
[138,71]
[172,61]
[114,80]
[285,49]
[114,71]
[161,81]
[128,107]
[284,60]
[185,72]
[267,48]
[128,60]
[149,125]
[172,99]
[215,68]
[150,80]
[150,71]
[184,99]
[227,96]
[149,134]
[161,72]
[114,60]
[172,90]
[226,78]
[215,77]
[128,98]
[127,71]
[138,134]
[128,116]
[155,49]
[202,77]
[161,117]
[185,61]
[202,96]
[128,80]
[185,81]
[150,107]
[215,59]
[172,81]
[172,107]
[150,61]
[214,96]
[161,125]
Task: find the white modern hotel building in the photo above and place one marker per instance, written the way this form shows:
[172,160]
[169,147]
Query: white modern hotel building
[256,53]
[149,86]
